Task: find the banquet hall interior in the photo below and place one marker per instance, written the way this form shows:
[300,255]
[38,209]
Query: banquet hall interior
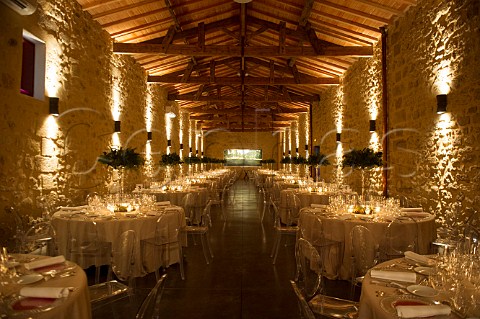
[239,158]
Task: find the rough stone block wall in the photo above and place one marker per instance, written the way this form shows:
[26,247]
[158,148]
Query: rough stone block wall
[433,159]
[56,158]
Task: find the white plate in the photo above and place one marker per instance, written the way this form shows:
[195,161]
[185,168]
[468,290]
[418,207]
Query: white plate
[422,291]
[427,271]
[29,279]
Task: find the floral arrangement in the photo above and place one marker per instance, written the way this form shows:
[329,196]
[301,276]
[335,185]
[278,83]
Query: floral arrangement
[121,158]
[299,160]
[318,159]
[364,158]
[170,159]
[286,160]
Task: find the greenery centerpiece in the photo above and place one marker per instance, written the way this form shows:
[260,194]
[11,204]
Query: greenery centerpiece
[268,161]
[364,159]
[121,159]
[315,161]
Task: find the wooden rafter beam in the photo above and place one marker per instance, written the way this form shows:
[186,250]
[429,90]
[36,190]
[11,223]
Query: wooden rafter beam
[248,80]
[237,110]
[355,12]
[382,7]
[97,4]
[248,98]
[252,51]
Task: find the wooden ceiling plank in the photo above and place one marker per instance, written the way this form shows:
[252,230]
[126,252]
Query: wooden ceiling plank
[382,7]
[139,28]
[190,33]
[347,22]
[212,71]
[201,36]
[131,18]
[231,34]
[354,12]
[199,92]
[307,10]
[97,4]
[123,9]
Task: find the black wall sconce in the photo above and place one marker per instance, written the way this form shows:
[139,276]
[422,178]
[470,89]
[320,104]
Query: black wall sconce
[373,125]
[181,146]
[339,137]
[53,106]
[296,149]
[196,152]
[283,154]
[169,142]
[190,149]
[202,153]
[441,103]
[289,152]
[306,147]
[149,136]
[117,127]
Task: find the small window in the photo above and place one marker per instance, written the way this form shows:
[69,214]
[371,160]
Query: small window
[28,68]
[33,66]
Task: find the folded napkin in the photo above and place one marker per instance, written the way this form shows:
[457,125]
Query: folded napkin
[411,209]
[419,258]
[164,203]
[74,208]
[44,292]
[415,214]
[318,206]
[422,311]
[404,276]
[45,262]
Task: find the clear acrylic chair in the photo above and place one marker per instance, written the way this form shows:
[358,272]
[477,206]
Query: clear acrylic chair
[281,230]
[122,263]
[40,239]
[309,287]
[159,247]
[89,249]
[364,254]
[188,205]
[150,307]
[470,239]
[311,228]
[202,231]
[399,238]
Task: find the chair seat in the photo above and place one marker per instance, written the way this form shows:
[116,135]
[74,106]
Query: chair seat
[196,229]
[333,307]
[288,229]
[155,241]
[106,290]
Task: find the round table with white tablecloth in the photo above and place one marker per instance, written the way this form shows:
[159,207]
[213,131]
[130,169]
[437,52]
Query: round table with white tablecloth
[110,227]
[75,306]
[338,228]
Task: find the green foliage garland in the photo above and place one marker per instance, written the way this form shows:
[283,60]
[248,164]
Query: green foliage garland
[170,159]
[121,158]
[319,159]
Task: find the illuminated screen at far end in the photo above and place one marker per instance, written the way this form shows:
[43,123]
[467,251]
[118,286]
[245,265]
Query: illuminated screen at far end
[242,157]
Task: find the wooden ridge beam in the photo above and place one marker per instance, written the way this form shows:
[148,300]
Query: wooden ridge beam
[238,110]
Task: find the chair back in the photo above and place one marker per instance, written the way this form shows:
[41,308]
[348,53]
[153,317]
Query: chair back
[399,238]
[40,239]
[364,250]
[310,267]
[305,310]
[293,208]
[188,204]
[471,236]
[123,255]
[150,307]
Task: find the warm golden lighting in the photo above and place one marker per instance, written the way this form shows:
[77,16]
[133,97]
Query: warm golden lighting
[149,111]
[116,140]
[374,142]
[53,68]
[339,158]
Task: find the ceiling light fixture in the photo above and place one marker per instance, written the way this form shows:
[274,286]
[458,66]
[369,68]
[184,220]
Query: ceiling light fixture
[242,1]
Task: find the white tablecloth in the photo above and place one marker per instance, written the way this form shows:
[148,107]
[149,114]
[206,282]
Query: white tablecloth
[338,229]
[110,229]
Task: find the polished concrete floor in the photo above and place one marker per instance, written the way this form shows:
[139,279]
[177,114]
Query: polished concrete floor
[241,282]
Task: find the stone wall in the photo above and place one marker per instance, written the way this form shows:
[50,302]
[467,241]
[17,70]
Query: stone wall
[433,159]
[56,157]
